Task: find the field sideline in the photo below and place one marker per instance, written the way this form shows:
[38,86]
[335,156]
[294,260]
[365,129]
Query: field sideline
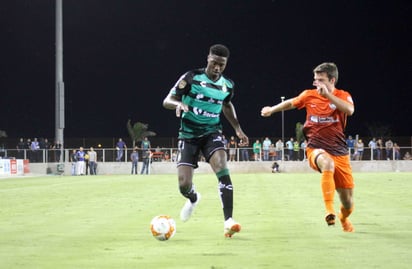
[103,222]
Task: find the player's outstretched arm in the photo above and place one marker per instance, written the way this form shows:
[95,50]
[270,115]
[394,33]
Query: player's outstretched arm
[267,111]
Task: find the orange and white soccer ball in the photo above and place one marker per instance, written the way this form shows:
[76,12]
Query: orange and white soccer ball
[163,227]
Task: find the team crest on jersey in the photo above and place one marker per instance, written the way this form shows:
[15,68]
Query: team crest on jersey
[224,88]
[182,84]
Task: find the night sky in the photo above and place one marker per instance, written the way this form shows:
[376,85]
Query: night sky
[122,57]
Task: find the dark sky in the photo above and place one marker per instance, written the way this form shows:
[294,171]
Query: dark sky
[122,57]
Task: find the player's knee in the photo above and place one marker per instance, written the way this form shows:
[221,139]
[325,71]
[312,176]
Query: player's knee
[326,163]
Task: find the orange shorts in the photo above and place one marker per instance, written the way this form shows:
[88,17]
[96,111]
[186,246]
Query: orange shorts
[343,170]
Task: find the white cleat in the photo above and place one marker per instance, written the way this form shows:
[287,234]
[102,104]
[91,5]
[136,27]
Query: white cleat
[188,208]
[231,227]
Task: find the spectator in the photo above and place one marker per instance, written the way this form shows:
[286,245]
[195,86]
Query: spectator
[289,146]
[120,147]
[92,161]
[232,145]
[265,147]
[28,150]
[73,160]
[35,150]
[145,144]
[389,149]
[373,147]
[396,151]
[244,151]
[57,148]
[86,163]
[257,147]
[303,148]
[134,157]
[21,146]
[80,154]
[146,158]
[279,149]
[272,152]
[407,156]
[351,145]
[359,147]
[379,147]
[275,167]
[296,149]
[174,156]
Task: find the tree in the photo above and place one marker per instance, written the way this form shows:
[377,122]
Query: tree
[299,132]
[379,130]
[3,134]
[138,131]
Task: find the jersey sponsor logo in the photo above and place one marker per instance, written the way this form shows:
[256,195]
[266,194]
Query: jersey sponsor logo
[199,111]
[203,84]
[319,119]
[182,84]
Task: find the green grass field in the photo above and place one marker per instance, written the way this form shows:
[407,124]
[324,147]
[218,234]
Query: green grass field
[103,222]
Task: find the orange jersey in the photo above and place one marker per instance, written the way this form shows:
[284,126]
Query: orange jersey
[325,125]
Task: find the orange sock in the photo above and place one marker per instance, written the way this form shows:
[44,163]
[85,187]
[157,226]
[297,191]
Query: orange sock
[345,212]
[328,190]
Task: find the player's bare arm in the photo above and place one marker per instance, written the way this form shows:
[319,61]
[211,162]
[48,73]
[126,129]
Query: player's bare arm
[230,114]
[171,102]
[327,91]
[267,111]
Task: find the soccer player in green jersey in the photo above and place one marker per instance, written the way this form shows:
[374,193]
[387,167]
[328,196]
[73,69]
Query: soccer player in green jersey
[199,97]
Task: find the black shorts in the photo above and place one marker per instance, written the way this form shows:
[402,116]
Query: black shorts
[190,149]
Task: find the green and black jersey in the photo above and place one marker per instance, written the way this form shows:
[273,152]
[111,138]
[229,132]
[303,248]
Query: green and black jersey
[205,99]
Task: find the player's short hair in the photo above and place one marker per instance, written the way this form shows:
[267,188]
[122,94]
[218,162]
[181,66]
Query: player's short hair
[219,50]
[330,69]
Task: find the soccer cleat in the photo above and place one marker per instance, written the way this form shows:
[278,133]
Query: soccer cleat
[188,208]
[346,224]
[231,227]
[330,219]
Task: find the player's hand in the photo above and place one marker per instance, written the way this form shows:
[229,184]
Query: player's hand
[242,136]
[266,111]
[181,107]
[321,87]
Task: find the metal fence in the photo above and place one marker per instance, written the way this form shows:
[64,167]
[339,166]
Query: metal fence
[170,154]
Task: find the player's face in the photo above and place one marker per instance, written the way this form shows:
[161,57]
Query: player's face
[215,66]
[323,79]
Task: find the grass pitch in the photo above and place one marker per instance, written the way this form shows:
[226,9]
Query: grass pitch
[103,222]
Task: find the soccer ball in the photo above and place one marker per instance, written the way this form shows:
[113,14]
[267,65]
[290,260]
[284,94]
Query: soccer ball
[163,227]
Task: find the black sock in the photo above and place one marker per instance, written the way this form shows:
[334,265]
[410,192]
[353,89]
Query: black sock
[226,194]
[189,192]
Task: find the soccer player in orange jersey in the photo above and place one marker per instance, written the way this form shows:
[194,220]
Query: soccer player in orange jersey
[327,109]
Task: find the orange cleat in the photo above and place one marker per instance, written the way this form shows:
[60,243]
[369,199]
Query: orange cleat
[231,227]
[346,224]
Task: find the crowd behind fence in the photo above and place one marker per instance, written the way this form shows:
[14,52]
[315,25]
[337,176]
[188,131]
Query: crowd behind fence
[171,154]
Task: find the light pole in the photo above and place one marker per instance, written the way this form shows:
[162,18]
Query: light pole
[283,130]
